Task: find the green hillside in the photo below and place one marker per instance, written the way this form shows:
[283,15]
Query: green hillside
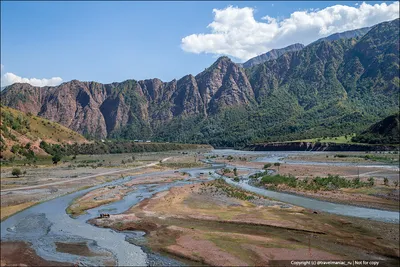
[22,133]
[386,131]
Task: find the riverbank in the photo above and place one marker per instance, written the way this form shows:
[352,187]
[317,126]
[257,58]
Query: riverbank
[318,146]
[303,167]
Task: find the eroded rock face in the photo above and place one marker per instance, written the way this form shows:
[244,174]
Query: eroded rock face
[99,109]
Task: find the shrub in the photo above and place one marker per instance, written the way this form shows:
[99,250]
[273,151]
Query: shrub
[371,181]
[226,170]
[56,158]
[16,172]
[386,181]
[266,166]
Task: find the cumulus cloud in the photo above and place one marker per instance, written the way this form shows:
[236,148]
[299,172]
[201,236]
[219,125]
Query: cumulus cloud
[235,32]
[10,78]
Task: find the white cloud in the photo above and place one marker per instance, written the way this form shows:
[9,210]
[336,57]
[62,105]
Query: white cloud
[10,78]
[235,32]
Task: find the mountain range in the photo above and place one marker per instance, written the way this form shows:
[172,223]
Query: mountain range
[273,54]
[330,87]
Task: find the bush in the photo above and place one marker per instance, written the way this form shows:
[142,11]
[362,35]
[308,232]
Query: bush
[386,181]
[371,181]
[56,158]
[266,166]
[16,172]
[226,170]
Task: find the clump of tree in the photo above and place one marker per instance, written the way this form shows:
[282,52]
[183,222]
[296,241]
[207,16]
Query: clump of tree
[331,182]
[111,147]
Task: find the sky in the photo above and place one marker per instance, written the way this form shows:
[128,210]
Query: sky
[50,42]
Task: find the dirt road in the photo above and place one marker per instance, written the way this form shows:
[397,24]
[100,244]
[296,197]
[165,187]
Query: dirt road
[83,178]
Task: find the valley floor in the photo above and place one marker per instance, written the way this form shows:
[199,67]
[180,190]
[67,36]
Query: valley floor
[211,222]
[46,181]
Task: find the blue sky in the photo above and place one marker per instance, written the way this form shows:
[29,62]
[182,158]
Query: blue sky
[115,41]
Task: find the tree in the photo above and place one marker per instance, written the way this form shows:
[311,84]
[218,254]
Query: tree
[277,164]
[56,158]
[133,157]
[28,145]
[386,181]
[235,171]
[16,172]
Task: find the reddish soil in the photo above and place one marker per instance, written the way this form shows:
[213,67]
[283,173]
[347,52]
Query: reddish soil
[20,254]
[267,254]
[193,248]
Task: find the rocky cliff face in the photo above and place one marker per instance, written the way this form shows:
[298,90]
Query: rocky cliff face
[99,109]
